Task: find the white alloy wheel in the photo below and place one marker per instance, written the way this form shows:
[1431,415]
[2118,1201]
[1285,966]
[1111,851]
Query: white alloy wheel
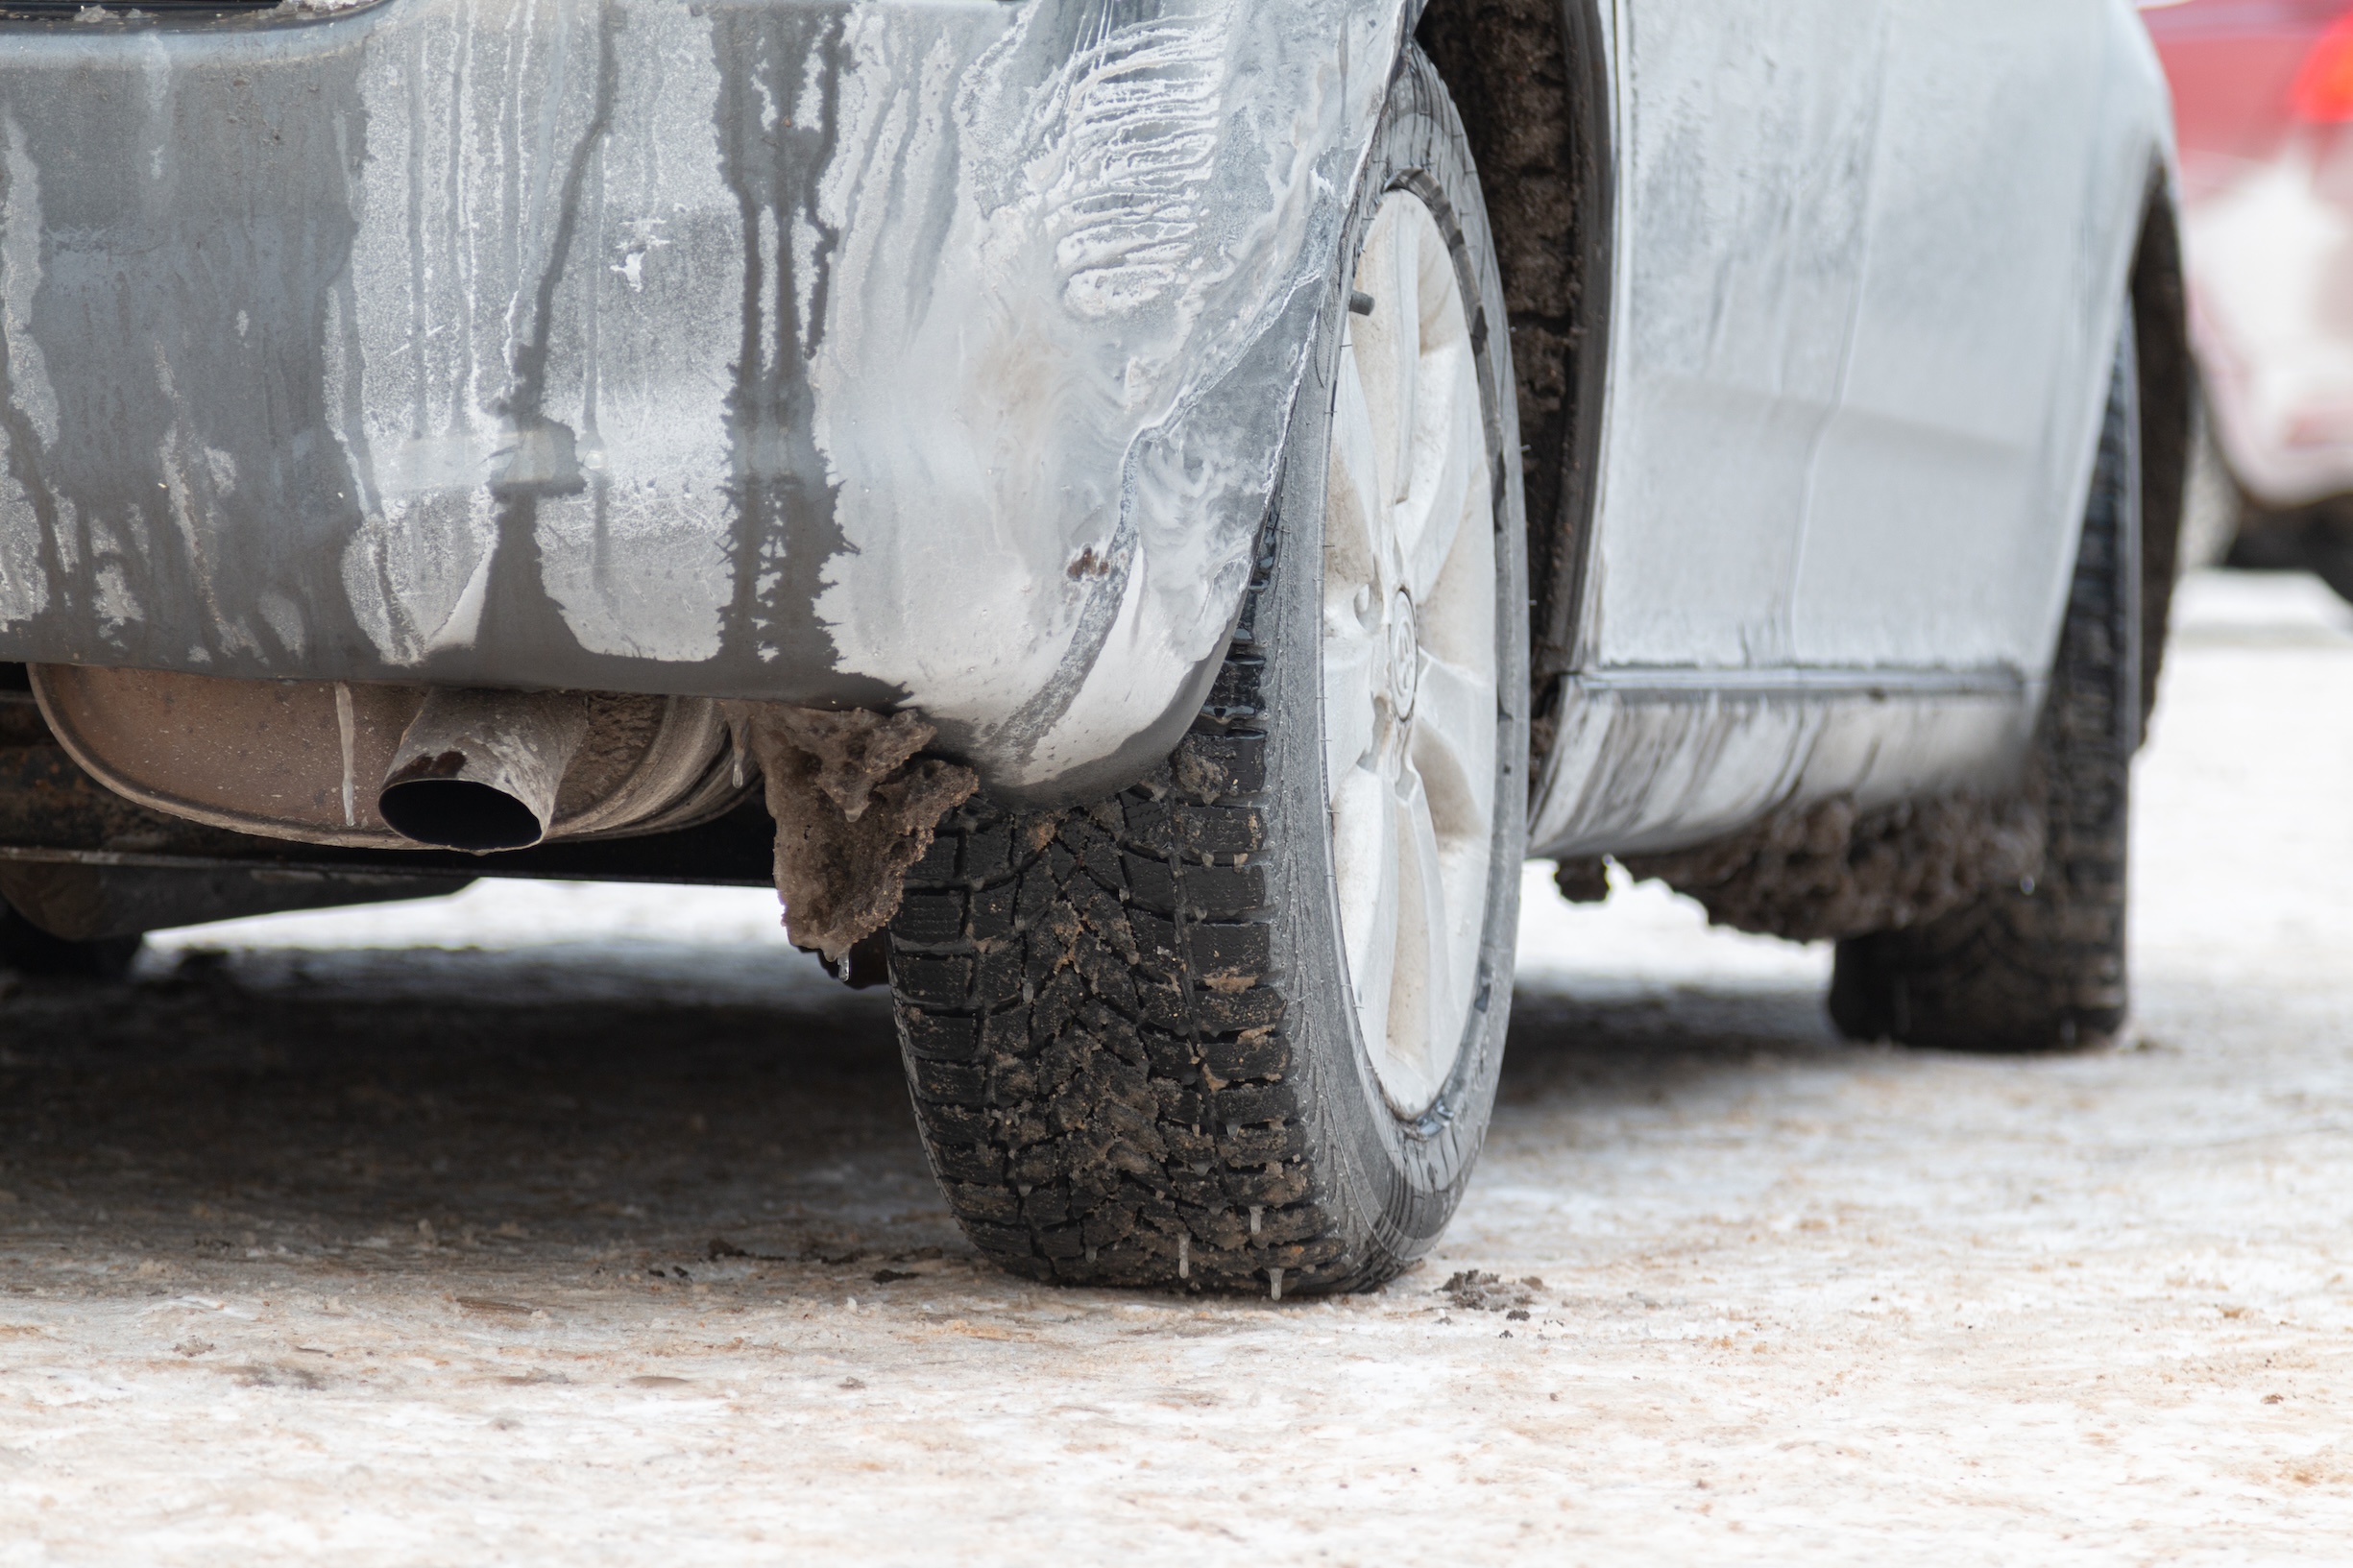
[1409,656]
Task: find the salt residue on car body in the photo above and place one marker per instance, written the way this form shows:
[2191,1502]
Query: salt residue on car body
[934,355]
[1075,292]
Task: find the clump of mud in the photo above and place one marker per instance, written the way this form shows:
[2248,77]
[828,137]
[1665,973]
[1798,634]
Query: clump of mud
[1829,870]
[1474,1292]
[854,808]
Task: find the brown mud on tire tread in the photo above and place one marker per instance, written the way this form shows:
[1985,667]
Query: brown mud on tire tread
[2040,966]
[1094,1038]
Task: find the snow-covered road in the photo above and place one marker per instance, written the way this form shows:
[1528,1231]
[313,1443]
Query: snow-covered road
[584,1224]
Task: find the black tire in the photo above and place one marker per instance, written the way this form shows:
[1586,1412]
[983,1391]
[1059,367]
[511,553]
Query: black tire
[36,955]
[1127,1026]
[2039,965]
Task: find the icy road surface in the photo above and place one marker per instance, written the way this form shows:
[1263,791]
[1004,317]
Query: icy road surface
[583,1224]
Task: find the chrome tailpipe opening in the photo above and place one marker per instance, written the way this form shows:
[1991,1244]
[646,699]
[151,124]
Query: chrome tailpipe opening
[479,770]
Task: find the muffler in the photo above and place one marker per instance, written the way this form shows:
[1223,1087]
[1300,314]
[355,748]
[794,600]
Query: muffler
[479,770]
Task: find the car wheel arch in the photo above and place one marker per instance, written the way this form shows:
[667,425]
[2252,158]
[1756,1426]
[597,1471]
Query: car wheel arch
[1532,78]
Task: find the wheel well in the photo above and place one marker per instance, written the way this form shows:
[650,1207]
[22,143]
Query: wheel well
[1530,79]
[2168,389]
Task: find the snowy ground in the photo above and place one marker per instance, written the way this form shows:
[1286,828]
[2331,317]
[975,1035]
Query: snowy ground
[389,1237]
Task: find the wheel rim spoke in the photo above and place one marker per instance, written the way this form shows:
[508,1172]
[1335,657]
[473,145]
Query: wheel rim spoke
[1404,287]
[1386,342]
[1364,824]
[1452,452]
[1452,747]
[1354,488]
[1424,1011]
[1351,724]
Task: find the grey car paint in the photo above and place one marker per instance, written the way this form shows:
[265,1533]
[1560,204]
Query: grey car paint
[934,353]
[940,352]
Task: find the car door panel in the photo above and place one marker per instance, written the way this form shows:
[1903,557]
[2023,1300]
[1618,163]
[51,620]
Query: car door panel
[1930,541]
[1743,135]
[1855,381]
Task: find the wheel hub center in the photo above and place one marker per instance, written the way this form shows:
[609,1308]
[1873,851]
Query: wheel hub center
[1404,654]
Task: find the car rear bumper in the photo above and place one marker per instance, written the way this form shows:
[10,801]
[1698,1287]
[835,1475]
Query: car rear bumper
[934,353]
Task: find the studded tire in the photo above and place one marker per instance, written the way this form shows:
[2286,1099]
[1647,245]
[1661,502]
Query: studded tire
[1126,1026]
[2041,965]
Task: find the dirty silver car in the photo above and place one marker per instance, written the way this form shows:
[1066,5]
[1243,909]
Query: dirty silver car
[1137,514]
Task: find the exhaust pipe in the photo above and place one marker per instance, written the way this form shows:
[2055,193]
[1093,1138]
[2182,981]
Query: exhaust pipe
[478,770]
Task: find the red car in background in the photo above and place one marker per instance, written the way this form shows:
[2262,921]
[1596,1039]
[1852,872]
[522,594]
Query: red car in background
[2262,98]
